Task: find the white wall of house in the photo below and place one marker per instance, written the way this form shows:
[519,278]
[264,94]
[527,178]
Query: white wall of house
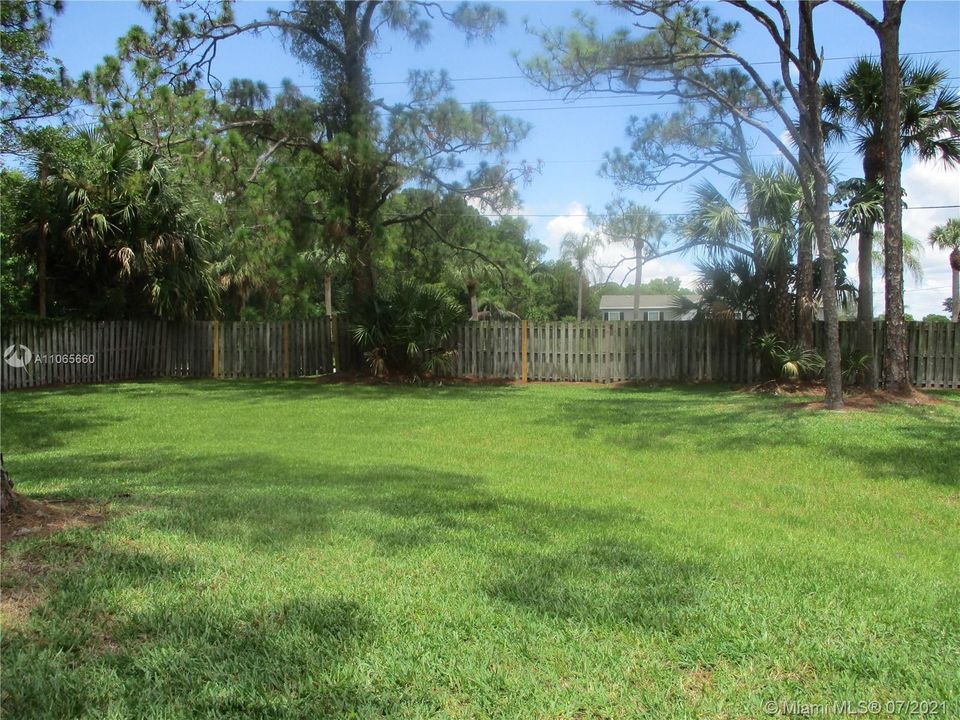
[652,307]
[664,313]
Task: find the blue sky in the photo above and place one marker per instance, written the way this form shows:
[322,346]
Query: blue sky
[570,138]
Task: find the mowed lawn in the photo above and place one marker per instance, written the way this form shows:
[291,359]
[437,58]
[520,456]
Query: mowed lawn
[295,550]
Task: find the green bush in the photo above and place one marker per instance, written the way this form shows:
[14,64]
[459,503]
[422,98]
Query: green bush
[854,365]
[410,328]
[793,362]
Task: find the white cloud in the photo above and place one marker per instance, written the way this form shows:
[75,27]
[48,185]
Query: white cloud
[787,139]
[929,183]
[573,219]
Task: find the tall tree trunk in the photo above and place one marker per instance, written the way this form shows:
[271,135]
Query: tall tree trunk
[812,137]
[637,278]
[805,289]
[955,267]
[42,246]
[865,312]
[362,273]
[783,315]
[895,367]
[9,501]
[872,170]
[580,296]
[327,294]
[472,294]
[358,191]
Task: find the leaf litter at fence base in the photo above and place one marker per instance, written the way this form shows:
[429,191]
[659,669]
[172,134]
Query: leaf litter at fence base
[854,398]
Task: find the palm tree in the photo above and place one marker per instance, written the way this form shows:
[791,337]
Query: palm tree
[947,237]
[640,227]
[469,271]
[912,258]
[579,249]
[930,128]
[766,239]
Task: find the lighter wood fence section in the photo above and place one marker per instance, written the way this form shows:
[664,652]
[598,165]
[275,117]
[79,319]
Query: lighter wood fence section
[92,352]
[673,351]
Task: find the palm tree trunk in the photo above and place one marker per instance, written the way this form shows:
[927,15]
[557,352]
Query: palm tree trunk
[895,367]
[956,296]
[580,296]
[872,172]
[783,311]
[865,303]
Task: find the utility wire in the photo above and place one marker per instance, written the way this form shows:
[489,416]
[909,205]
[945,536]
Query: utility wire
[724,66]
[674,214]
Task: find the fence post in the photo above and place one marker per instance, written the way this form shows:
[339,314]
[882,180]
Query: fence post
[216,349]
[523,352]
[286,348]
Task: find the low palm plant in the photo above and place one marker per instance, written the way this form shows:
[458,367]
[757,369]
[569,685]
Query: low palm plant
[793,362]
[854,366]
[410,328]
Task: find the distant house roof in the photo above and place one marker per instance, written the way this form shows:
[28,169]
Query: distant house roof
[647,302]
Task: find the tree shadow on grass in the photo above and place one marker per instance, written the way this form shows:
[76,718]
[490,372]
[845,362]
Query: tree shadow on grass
[662,418]
[665,419]
[929,450]
[181,649]
[605,581]
[27,424]
[262,504]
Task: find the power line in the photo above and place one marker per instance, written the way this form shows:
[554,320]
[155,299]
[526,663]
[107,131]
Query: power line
[730,65]
[674,214]
[933,289]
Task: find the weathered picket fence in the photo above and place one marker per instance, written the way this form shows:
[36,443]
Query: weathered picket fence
[675,351]
[57,353]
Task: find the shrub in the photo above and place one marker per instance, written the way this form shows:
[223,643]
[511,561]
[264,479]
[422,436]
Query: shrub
[789,361]
[853,366]
[410,327]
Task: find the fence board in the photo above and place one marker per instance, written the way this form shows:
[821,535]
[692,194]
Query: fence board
[126,350]
[669,351]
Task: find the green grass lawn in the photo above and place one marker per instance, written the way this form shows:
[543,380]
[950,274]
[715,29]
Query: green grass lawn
[299,550]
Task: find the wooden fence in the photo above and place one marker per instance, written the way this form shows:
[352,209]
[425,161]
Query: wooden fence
[673,351]
[91,352]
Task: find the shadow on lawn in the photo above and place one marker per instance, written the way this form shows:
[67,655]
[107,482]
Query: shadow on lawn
[661,418]
[930,448]
[182,648]
[28,423]
[665,418]
[557,559]
[607,581]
